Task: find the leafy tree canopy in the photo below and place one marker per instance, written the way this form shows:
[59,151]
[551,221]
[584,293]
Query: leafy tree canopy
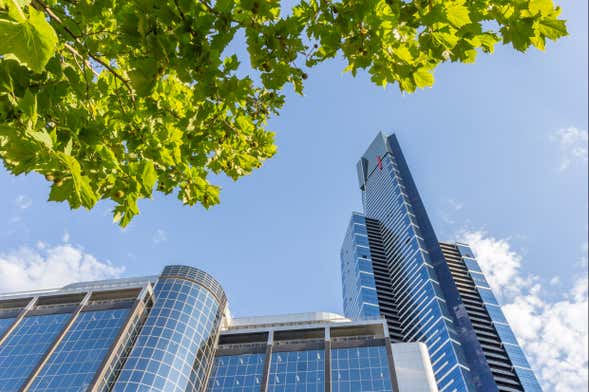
[109,99]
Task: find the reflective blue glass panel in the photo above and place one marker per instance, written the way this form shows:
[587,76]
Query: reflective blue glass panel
[74,362]
[465,251]
[479,279]
[506,334]
[5,324]
[454,381]
[496,313]
[487,296]
[176,345]
[516,355]
[297,371]
[25,347]
[237,373]
[472,265]
[528,380]
[359,287]
[360,369]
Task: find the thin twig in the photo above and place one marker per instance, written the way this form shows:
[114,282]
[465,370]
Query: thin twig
[77,54]
[57,19]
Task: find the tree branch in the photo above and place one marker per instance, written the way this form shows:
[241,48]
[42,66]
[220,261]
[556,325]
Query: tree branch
[58,20]
[77,54]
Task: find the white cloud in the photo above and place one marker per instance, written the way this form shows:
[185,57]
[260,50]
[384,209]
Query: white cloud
[553,333]
[447,213]
[23,202]
[573,145]
[456,205]
[159,236]
[51,266]
[66,237]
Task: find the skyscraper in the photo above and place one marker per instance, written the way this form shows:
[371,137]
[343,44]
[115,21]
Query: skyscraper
[174,333]
[430,292]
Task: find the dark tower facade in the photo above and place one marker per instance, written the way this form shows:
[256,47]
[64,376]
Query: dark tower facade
[425,289]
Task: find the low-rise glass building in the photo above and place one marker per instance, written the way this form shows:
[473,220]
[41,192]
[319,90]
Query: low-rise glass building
[173,332]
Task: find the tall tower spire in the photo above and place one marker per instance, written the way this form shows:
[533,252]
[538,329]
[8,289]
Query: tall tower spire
[418,290]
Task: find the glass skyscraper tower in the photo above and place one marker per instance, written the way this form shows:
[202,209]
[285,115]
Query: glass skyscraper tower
[430,292]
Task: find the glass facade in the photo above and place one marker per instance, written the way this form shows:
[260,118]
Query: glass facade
[74,363]
[416,305]
[315,357]
[507,338]
[237,373]
[297,371]
[175,348]
[416,290]
[359,287]
[5,323]
[360,369]
[25,347]
[123,336]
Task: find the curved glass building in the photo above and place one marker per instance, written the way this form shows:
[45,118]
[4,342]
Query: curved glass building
[175,348]
[157,333]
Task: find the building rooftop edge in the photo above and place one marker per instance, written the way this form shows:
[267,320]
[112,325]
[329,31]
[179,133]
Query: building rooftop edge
[286,319]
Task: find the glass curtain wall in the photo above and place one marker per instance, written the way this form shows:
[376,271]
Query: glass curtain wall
[175,349]
[237,373]
[74,363]
[26,346]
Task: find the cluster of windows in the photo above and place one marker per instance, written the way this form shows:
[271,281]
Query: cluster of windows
[25,347]
[297,371]
[237,373]
[419,305]
[358,369]
[508,340]
[361,369]
[121,351]
[74,363]
[359,287]
[175,348]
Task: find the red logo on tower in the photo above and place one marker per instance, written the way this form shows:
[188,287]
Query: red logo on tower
[379,162]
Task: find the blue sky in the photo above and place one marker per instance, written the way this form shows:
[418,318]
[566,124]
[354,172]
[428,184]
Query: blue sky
[483,145]
[480,140]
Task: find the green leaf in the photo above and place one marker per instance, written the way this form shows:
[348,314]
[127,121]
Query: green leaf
[32,42]
[552,28]
[87,196]
[404,54]
[520,33]
[7,130]
[458,15]
[60,192]
[538,42]
[447,40]
[42,137]
[423,78]
[544,7]
[488,42]
[172,99]
[143,77]
[82,194]
[15,10]
[28,105]
[148,177]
